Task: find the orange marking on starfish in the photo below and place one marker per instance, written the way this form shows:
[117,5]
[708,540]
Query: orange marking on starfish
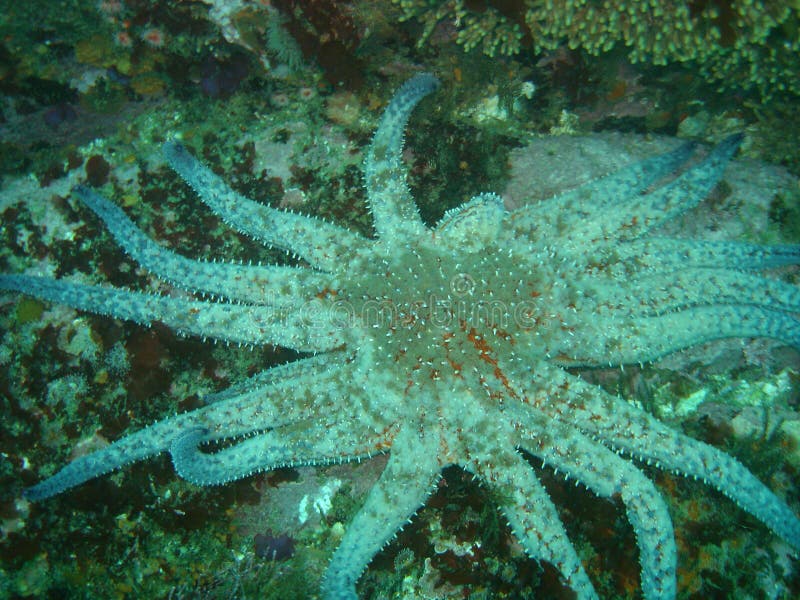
[482,346]
[505,335]
[457,367]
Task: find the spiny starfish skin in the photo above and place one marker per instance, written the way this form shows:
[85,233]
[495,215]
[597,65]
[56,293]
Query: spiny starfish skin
[446,346]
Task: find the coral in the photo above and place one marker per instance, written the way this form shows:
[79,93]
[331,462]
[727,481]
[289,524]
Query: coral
[741,44]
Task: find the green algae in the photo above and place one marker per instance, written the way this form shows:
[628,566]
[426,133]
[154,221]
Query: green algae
[28,310]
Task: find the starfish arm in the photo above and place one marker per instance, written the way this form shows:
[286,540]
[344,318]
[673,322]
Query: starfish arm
[531,514]
[258,453]
[473,225]
[714,467]
[616,341]
[399,492]
[644,437]
[322,244]
[308,370]
[276,405]
[295,392]
[394,211]
[639,214]
[270,285]
[621,426]
[667,254]
[593,200]
[690,457]
[296,444]
[307,328]
[132,448]
[657,294]
[607,474]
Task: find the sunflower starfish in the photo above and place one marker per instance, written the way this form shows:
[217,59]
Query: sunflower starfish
[446,346]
